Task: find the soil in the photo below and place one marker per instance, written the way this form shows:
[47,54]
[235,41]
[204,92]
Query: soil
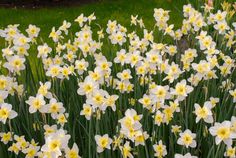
[42,3]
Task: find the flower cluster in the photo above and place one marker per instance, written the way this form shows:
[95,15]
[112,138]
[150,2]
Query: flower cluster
[164,92]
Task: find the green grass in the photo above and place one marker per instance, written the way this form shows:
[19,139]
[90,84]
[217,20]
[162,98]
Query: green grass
[119,10]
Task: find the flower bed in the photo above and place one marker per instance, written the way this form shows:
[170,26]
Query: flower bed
[164,92]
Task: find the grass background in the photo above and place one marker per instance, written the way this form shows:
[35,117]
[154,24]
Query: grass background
[119,10]
[104,10]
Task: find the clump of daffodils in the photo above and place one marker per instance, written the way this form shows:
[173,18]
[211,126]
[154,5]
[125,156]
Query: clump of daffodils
[119,92]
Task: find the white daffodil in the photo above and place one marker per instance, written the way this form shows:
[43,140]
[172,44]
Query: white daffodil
[187,139]
[203,112]
[103,142]
[181,90]
[188,155]
[36,103]
[160,149]
[73,152]
[222,132]
[6,112]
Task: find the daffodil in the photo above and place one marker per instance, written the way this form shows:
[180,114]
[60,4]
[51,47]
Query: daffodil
[44,89]
[187,139]
[73,152]
[53,108]
[31,151]
[233,94]
[81,20]
[87,111]
[103,142]
[87,87]
[188,155]
[175,129]
[36,103]
[181,90]
[33,31]
[6,112]
[230,152]
[43,50]
[15,64]
[55,143]
[126,150]
[222,132]
[203,112]
[6,137]
[160,149]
